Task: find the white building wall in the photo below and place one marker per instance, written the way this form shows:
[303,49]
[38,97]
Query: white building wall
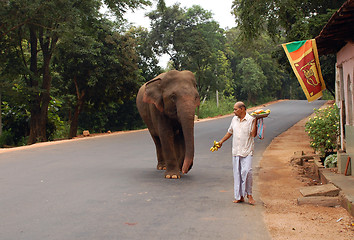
[345,73]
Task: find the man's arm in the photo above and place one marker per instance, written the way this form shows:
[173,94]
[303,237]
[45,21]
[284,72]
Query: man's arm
[254,128]
[227,136]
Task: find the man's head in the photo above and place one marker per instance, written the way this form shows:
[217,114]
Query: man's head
[240,109]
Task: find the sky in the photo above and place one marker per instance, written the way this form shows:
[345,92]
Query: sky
[221,10]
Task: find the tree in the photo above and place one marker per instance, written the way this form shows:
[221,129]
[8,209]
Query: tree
[75,63]
[200,49]
[295,20]
[41,24]
[97,67]
[251,79]
[194,41]
[147,59]
[261,50]
[165,22]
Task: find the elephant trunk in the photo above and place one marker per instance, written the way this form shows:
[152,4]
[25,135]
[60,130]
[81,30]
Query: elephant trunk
[186,117]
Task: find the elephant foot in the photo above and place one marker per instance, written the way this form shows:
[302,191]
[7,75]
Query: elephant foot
[172,175]
[161,167]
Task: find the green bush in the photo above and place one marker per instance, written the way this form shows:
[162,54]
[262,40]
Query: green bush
[15,119]
[6,138]
[323,129]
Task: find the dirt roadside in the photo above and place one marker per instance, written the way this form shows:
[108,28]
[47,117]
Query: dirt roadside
[279,183]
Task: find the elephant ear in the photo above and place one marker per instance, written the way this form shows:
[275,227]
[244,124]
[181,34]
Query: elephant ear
[153,93]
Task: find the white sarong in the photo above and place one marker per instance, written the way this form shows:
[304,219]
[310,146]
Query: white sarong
[242,168]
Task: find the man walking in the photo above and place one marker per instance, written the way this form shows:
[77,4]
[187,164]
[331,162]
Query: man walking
[243,128]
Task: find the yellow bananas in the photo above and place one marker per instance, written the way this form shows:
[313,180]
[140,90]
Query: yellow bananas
[215,147]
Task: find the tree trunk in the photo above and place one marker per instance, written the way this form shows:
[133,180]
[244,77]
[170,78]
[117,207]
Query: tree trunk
[33,83]
[41,99]
[34,128]
[78,108]
[74,123]
[75,118]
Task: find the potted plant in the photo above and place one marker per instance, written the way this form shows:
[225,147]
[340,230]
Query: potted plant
[331,161]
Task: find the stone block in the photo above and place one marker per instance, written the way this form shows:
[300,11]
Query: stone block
[328,190]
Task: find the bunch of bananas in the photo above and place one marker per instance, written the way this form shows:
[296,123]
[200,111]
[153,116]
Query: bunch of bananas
[215,147]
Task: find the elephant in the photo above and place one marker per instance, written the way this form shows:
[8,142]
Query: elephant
[167,105]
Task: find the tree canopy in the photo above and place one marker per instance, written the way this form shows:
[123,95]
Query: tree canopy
[286,21]
[33,29]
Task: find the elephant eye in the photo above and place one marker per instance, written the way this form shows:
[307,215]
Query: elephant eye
[173,97]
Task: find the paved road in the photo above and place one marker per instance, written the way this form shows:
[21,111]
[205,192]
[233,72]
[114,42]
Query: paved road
[108,188]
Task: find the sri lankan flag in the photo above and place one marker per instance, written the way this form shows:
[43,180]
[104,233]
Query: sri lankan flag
[303,58]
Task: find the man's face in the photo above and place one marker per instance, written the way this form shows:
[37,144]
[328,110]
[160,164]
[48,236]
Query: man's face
[237,110]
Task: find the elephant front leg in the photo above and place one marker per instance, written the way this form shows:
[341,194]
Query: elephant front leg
[172,166]
[169,155]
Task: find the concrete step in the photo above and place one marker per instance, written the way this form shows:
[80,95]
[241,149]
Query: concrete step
[328,190]
[319,201]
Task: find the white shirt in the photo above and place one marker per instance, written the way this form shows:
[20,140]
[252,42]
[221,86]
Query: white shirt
[242,141]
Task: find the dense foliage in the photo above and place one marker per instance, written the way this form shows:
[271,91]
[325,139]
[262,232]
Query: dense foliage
[65,67]
[65,49]
[287,21]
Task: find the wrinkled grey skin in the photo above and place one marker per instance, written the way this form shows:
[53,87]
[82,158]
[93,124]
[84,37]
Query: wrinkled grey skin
[167,105]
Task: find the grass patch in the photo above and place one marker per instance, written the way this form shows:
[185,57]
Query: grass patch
[210,109]
[226,106]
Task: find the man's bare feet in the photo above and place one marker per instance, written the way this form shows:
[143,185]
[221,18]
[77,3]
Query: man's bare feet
[251,200]
[239,201]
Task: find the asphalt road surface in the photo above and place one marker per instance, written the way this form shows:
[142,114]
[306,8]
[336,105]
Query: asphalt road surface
[108,187]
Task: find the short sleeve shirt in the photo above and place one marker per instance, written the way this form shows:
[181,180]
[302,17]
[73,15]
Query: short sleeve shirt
[242,141]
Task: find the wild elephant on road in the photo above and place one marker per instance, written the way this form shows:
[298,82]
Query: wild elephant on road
[167,105]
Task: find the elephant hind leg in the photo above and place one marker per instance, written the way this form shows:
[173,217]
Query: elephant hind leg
[161,165]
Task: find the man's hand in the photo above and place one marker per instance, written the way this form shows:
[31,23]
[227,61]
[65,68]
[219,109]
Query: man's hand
[215,147]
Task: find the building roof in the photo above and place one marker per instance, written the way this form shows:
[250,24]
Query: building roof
[338,31]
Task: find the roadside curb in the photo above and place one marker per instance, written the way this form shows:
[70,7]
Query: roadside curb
[344,183]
